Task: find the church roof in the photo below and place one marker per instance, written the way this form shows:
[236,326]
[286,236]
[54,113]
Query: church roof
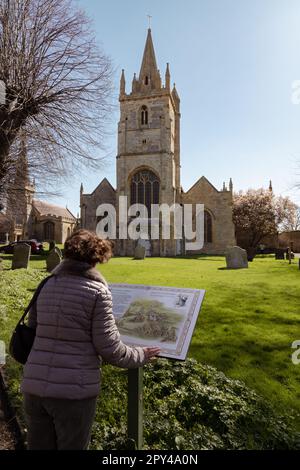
[100,185]
[204,180]
[44,208]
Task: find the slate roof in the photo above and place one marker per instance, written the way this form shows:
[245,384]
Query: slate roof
[44,208]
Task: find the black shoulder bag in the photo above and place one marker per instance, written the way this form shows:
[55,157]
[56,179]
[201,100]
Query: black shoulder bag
[23,336]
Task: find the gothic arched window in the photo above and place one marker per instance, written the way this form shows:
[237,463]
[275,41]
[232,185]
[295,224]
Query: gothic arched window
[207,227]
[144,189]
[144,115]
[49,230]
[146,80]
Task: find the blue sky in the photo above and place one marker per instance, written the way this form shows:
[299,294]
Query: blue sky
[234,63]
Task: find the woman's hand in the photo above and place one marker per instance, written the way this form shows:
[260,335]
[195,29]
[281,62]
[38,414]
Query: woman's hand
[150,353]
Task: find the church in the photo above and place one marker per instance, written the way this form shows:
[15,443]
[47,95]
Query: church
[148,165]
[29,218]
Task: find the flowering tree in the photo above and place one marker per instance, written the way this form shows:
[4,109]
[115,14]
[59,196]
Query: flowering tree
[258,214]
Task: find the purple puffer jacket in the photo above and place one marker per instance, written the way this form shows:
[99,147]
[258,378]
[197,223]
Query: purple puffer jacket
[75,325]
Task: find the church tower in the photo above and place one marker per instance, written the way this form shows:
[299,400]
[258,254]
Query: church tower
[21,193]
[148,159]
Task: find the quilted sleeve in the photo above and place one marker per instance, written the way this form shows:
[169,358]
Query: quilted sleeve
[106,336]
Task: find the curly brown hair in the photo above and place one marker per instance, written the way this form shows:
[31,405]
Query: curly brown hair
[85,246]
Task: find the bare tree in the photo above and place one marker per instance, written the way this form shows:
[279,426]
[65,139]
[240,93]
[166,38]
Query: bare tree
[58,88]
[292,220]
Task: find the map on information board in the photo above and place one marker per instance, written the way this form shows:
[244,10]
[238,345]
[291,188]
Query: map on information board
[157,316]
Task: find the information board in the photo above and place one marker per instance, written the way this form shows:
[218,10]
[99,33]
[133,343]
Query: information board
[157,316]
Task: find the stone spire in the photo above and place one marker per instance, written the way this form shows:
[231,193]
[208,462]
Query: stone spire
[167,77]
[122,83]
[270,186]
[149,75]
[230,185]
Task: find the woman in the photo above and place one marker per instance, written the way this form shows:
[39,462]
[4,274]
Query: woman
[75,327]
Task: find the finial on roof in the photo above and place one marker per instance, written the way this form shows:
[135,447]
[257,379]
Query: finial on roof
[270,186]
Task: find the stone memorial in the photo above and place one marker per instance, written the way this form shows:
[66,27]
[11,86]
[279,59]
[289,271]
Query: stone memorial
[58,250]
[21,256]
[146,244]
[52,245]
[279,253]
[53,259]
[139,252]
[236,258]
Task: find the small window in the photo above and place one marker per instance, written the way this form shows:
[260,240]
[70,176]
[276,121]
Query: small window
[146,80]
[144,115]
[144,141]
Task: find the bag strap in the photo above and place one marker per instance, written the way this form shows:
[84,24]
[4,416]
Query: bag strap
[34,298]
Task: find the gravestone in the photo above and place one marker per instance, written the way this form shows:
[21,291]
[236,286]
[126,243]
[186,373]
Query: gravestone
[1,264]
[146,244]
[236,258]
[52,245]
[139,252]
[58,250]
[21,256]
[279,253]
[53,259]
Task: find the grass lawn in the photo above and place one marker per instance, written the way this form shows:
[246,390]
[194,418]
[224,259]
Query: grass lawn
[247,324]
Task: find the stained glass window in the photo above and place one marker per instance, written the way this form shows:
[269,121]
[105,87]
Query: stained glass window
[144,189]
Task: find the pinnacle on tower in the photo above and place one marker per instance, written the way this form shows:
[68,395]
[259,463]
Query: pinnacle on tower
[167,77]
[230,185]
[134,83]
[271,186]
[122,83]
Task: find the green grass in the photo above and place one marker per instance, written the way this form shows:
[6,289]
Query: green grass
[246,326]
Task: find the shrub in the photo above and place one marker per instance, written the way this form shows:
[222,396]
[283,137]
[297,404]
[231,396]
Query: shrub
[191,406]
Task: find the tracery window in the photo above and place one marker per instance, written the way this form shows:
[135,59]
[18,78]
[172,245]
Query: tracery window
[144,189]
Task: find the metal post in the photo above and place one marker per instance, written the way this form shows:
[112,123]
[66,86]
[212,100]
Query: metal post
[135,406]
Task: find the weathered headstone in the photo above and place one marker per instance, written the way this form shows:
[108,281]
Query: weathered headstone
[236,258]
[58,250]
[139,252]
[1,264]
[21,256]
[52,245]
[53,259]
[146,244]
[279,253]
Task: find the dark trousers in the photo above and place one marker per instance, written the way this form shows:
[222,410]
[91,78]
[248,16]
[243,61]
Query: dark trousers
[58,424]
